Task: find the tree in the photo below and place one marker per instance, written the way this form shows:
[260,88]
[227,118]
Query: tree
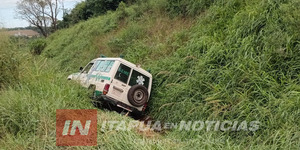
[90,8]
[99,7]
[40,13]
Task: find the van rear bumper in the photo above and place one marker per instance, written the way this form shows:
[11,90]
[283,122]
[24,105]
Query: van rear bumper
[117,103]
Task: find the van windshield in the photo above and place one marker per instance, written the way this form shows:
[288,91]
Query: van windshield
[104,65]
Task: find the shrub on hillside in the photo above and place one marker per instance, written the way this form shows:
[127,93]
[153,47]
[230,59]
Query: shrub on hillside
[76,15]
[187,7]
[8,62]
[37,46]
[92,8]
[121,10]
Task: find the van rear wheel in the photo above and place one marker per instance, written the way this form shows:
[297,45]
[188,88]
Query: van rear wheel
[138,95]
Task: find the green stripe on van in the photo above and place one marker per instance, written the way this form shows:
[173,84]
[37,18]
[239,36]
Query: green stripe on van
[98,77]
[98,93]
[103,77]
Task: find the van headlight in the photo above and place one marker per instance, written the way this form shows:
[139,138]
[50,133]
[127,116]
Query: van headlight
[70,77]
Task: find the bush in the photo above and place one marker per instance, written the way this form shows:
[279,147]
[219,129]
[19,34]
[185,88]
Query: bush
[37,46]
[8,62]
[187,7]
[122,11]
[76,15]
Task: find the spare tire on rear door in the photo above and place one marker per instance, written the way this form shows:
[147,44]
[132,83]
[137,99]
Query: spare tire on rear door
[138,95]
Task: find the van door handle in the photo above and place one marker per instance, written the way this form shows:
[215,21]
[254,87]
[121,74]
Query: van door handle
[119,89]
[124,85]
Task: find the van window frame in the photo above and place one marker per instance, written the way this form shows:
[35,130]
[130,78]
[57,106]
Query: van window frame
[90,68]
[129,73]
[142,75]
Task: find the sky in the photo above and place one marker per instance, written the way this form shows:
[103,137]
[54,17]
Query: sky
[8,16]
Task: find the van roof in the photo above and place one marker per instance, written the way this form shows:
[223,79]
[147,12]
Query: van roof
[129,64]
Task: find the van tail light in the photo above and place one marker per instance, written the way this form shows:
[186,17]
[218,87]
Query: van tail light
[144,107]
[106,88]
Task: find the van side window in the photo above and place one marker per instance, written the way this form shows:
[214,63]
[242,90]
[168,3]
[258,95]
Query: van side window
[138,78]
[109,64]
[95,65]
[123,73]
[105,65]
[100,65]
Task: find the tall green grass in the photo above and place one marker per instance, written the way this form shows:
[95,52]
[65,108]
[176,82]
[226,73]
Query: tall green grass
[239,61]
[76,43]
[28,111]
[8,61]
[234,60]
[187,7]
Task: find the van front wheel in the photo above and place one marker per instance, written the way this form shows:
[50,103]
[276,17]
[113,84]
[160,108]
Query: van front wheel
[138,95]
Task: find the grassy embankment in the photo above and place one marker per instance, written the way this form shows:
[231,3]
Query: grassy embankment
[232,60]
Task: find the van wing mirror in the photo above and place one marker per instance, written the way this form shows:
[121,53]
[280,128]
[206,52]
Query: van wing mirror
[80,69]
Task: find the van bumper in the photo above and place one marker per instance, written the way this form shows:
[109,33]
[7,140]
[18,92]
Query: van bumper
[117,103]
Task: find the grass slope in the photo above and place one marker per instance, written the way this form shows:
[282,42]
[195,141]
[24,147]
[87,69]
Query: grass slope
[233,60]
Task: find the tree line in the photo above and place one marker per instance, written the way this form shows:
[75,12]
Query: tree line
[43,14]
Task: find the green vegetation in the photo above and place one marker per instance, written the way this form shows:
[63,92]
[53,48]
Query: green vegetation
[187,7]
[211,60]
[8,62]
[89,8]
[37,46]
